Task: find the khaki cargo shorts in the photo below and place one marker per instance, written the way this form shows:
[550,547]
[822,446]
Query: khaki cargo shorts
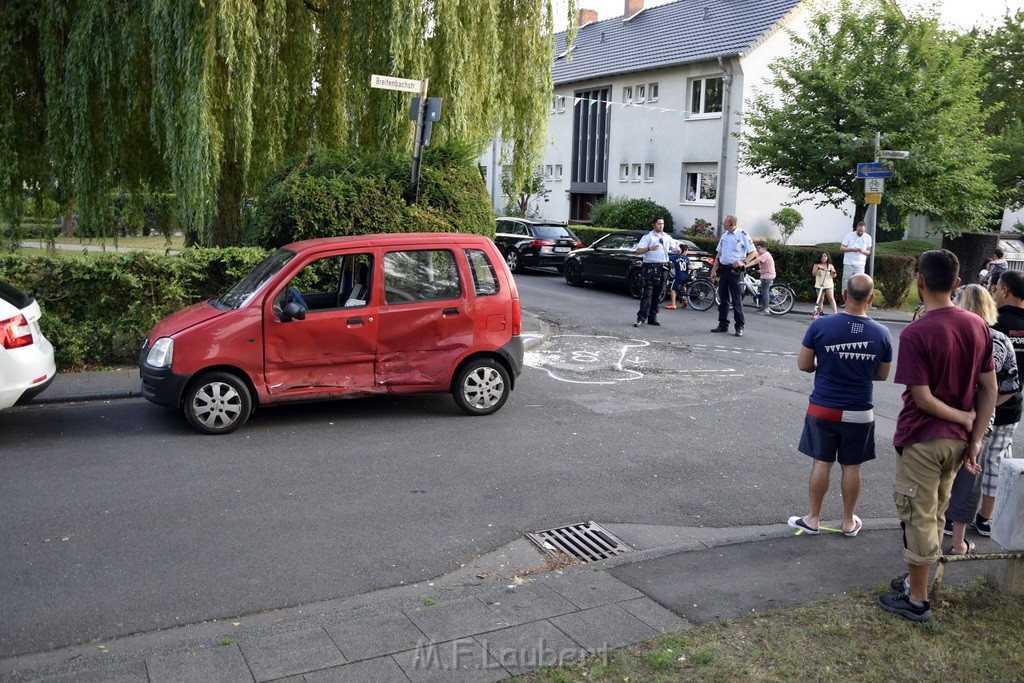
[924,476]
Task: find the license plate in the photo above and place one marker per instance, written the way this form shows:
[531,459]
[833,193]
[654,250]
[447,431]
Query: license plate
[561,250]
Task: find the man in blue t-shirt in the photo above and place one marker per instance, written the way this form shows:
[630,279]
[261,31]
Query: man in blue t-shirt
[846,352]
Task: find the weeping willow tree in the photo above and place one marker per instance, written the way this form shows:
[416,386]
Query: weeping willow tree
[203,98]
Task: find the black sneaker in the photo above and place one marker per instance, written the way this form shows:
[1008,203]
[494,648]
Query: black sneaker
[899,584]
[638,322]
[720,329]
[739,331]
[982,526]
[948,529]
[654,322]
[899,603]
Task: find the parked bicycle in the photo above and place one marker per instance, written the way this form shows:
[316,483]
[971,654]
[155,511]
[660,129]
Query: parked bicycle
[703,293]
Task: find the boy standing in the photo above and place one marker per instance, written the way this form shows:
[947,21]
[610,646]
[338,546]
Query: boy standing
[681,266]
[945,361]
[766,262]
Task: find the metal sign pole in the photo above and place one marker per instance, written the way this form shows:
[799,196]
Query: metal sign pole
[872,217]
[417,144]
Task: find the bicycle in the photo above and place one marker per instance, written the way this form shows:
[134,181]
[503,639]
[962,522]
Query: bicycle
[703,293]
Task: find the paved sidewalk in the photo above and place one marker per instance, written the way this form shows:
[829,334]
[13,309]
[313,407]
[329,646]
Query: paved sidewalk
[506,613]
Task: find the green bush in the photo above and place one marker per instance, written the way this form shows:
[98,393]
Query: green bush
[788,220]
[893,277]
[97,310]
[346,192]
[629,214]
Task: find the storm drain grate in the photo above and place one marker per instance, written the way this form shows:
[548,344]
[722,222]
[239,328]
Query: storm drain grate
[586,541]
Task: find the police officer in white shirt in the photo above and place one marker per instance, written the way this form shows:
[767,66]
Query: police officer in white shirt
[655,247]
[734,250]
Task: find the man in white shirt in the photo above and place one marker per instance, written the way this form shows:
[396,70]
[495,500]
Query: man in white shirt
[856,248]
[655,247]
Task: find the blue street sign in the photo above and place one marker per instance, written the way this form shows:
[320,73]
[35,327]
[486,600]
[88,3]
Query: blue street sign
[874,170]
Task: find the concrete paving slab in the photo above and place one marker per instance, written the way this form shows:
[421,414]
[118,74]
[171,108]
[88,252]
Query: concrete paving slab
[379,669]
[128,672]
[290,653]
[654,615]
[224,663]
[604,628]
[795,570]
[374,636]
[586,588]
[529,646]
[456,619]
[520,605]
[457,660]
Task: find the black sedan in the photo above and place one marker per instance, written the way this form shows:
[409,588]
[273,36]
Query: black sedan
[525,242]
[613,260]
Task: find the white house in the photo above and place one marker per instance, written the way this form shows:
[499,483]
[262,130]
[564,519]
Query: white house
[648,107]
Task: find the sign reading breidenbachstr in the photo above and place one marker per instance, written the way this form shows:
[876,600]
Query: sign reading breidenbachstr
[874,170]
[393,83]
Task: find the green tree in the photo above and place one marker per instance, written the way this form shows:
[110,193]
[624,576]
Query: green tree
[1002,48]
[864,68]
[788,220]
[203,99]
[521,195]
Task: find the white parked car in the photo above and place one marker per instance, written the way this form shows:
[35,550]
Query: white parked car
[26,358]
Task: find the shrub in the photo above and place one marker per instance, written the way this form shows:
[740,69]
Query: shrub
[97,310]
[893,277]
[348,192]
[788,220]
[629,214]
[700,228]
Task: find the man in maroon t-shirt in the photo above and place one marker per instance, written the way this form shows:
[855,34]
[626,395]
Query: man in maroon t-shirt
[945,360]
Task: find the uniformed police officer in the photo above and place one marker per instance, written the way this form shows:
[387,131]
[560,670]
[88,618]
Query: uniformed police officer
[734,250]
[655,247]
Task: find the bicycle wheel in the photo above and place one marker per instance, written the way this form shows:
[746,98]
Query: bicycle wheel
[701,294]
[781,298]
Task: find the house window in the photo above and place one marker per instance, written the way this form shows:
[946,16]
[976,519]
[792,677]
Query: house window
[641,92]
[648,173]
[558,104]
[652,92]
[547,172]
[627,94]
[706,96]
[623,172]
[637,173]
[557,174]
[701,186]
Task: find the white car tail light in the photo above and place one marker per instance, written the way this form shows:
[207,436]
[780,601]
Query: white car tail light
[15,332]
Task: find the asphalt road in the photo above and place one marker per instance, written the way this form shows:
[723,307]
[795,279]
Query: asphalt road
[117,518]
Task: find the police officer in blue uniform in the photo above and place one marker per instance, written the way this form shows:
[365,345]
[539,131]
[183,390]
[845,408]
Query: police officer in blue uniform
[655,247]
[734,250]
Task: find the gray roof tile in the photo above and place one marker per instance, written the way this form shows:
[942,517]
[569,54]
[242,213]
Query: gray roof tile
[680,32]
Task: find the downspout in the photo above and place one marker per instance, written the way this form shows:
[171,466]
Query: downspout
[726,110]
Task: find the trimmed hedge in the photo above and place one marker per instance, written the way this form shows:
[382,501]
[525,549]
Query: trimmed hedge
[97,310]
[629,214]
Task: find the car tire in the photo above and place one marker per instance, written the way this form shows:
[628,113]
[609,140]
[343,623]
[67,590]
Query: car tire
[514,261]
[573,273]
[635,282]
[481,387]
[217,403]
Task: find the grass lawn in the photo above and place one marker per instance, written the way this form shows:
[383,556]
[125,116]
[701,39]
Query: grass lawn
[975,635]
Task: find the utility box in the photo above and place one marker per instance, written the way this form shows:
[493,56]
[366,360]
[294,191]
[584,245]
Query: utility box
[1008,518]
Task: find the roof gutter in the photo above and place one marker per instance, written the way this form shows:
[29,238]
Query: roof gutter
[726,111]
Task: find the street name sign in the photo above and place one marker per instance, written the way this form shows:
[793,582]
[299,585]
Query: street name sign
[893,154]
[874,170]
[393,83]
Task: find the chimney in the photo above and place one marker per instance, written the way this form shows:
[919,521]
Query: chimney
[587,16]
[631,8]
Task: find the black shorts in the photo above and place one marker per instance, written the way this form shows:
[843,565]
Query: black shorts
[851,443]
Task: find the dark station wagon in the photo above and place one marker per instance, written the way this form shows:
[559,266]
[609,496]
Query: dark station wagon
[525,242]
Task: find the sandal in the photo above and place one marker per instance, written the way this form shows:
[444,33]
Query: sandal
[799,524]
[857,526]
[970,549]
